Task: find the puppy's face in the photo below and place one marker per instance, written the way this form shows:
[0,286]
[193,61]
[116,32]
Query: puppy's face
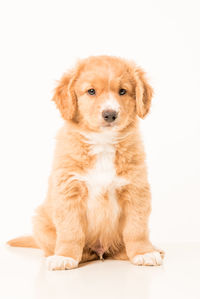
[103,93]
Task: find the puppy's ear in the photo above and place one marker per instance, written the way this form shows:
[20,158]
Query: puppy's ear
[65,97]
[143,93]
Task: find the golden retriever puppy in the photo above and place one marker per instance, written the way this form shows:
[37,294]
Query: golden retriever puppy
[99,200]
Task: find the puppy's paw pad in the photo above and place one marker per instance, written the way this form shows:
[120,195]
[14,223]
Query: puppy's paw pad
[58,262]
[148,259]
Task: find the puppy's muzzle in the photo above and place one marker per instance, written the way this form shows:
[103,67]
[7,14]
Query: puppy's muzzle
[109,115]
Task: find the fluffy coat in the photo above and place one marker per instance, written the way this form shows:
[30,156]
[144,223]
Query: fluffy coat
[99,199]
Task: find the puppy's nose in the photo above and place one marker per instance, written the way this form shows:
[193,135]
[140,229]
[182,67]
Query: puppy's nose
[109,115]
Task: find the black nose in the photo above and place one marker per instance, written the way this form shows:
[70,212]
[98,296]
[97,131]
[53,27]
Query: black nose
[109,115]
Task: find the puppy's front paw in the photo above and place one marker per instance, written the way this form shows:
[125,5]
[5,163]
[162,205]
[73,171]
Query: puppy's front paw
[148,259]
[58,262]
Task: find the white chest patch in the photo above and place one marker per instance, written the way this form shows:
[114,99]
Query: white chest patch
[102,180]
[102,177]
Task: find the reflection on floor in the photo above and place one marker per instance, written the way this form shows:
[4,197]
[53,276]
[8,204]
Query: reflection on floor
[23,275]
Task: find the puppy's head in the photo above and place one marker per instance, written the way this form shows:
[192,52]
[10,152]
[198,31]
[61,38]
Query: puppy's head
[104,92]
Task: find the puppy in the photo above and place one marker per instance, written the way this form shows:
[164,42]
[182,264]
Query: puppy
[98,200]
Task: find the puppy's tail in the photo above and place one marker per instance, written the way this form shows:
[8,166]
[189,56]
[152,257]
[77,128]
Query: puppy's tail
[27,241]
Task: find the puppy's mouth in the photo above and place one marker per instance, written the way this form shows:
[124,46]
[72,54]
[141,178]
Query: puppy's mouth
[108,125]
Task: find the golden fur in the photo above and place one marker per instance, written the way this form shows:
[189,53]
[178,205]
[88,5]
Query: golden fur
[79,220]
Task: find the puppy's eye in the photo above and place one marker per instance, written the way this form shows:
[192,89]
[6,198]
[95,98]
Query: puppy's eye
[91,91]
[122,91]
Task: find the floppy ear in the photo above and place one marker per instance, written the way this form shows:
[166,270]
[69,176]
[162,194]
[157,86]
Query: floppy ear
[143,93]
[65,97]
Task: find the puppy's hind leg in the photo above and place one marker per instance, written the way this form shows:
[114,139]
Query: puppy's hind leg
[44,232]
[121,255]
[88,256]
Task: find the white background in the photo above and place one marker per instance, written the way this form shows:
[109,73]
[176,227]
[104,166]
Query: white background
[41,39]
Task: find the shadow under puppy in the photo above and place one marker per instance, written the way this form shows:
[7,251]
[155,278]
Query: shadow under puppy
[98,200]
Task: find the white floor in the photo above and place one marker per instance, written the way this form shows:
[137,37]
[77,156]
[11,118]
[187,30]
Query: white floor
[23,275]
